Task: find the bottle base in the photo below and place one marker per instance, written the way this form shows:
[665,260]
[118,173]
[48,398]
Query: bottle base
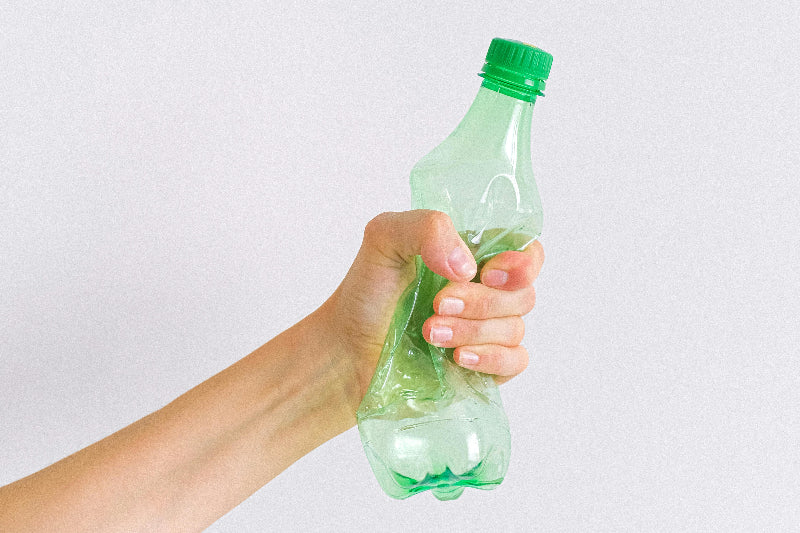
[464,444]
[445,486]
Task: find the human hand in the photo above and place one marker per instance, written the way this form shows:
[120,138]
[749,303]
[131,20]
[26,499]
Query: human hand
[481,321]
[228,436]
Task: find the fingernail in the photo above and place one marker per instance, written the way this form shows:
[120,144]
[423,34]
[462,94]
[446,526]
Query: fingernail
[467,358]
[495,278]
[440,334]
[451,306]
[462,263]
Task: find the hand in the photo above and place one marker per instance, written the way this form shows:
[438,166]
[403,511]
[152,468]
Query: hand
[191,461]
[482,321]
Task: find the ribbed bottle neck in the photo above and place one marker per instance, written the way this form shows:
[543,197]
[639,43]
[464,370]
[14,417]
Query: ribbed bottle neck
[527,93]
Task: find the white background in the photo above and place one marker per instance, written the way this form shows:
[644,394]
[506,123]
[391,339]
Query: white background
[179,183]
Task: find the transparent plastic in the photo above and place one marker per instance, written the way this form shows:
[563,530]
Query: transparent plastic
[425,422]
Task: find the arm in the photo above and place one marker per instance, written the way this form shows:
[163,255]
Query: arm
[187,464]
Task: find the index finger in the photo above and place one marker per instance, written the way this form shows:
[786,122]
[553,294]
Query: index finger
[514,270]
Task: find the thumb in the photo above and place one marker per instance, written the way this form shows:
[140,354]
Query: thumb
[395,238]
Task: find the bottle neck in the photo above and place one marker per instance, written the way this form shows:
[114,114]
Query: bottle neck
[498,124]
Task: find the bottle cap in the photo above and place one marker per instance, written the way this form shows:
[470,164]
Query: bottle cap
[516,69]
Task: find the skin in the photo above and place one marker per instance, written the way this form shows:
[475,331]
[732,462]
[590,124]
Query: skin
[187,464]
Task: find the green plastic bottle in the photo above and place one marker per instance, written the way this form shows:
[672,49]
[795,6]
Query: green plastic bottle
[425,422]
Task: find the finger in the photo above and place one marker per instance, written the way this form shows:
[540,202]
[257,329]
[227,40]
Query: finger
[395,238]
[449,332]
[514,270]
[477,301]
[493,359]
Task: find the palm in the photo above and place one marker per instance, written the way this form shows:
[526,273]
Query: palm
[363,307]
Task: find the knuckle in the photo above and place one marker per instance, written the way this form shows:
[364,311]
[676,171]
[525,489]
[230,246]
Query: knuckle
[529,300]
[433,225]
[521,360]
[517,330]
[512,361]
[437,217]
[376,226]
[436,222]
[538,251]
[527,269]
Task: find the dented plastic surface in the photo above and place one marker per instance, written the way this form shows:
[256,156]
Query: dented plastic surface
[427,423]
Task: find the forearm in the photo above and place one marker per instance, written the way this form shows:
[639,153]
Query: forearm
[187,464]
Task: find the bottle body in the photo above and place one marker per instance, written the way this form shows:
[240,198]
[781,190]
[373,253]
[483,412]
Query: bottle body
[427,423]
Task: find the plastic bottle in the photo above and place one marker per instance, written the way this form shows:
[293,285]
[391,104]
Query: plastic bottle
[425,422]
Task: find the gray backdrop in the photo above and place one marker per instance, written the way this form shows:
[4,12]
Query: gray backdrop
[167,172]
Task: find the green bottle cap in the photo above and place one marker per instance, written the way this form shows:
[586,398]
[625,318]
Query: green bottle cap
[516,69]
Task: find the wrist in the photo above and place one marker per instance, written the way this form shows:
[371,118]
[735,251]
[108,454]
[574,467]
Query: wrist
[317,384]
